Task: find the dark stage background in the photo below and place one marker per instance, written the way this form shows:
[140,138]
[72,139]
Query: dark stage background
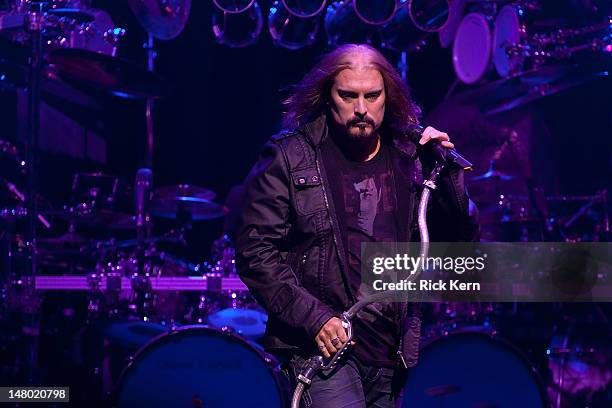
[225,102]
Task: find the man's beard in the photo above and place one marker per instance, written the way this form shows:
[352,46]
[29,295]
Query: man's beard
[365,129]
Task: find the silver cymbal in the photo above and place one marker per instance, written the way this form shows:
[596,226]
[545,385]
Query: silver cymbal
[91,70]
[494,175]
[184,190]
[507,94]
[198,209]
[165,19]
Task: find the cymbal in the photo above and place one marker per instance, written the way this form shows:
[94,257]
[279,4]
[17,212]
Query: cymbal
[535,90]
[103,72]
[198,208]
[506,94]
[95,218]
[184,190]
[494,175]
[495,214]
[75,14]
[108,219]
[68,239]
[69,253]
[165,19]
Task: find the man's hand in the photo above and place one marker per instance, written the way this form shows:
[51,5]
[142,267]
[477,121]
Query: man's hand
[331,337]
[432,133]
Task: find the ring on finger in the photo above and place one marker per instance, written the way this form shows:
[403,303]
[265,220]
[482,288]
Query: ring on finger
[335,341]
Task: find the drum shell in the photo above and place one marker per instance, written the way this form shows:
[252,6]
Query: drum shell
[92,38]
[401,33]
[233,7]
[289,31]
[237,311]
[472,48]
[510,25]
[475,368]
[238,29]
[339,16]
[446,34]
[213,363]
[579,357]
[88,36]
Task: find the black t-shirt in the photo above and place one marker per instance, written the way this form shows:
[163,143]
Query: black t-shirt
[365,206]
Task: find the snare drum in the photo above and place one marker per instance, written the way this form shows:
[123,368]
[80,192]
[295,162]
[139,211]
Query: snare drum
[472,368]
[195,366]
[239,312]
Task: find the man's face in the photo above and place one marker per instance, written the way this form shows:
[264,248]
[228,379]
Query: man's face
[358,101]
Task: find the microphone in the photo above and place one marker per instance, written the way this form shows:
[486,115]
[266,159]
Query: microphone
[441,154]
[142,191]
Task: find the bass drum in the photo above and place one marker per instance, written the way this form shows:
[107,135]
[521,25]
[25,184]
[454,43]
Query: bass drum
[472,368]
[195,366]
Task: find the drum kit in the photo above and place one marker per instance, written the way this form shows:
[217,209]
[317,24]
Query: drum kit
[514,38]
[97,270]
[534,216]
[93,276]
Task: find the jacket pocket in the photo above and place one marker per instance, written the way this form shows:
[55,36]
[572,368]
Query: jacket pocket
[308,190]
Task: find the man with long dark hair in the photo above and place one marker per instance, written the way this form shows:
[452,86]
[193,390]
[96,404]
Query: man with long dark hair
[343,173]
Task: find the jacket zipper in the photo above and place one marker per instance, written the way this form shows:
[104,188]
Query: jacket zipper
[300,264]
[399,352]
[401,357]
[329,216]
[401,314]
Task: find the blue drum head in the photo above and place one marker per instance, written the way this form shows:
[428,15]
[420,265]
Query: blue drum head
[467,370]
[197,366]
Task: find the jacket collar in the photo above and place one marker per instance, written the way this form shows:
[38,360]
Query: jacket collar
[315,130]
[403,143]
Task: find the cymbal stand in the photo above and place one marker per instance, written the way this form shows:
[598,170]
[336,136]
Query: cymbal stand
[34,25]
[34,22]
[606,220]
[141,280]
[604,225]
[151,55]
[142,283]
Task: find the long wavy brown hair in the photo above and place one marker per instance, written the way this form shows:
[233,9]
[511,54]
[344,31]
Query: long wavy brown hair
[309,96]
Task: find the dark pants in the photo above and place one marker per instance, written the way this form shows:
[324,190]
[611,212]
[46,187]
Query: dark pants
[351,384]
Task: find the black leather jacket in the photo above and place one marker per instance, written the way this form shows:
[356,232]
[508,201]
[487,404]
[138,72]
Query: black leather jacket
[289,248]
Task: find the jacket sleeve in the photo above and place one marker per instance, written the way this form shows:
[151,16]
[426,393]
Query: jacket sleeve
[452,216]
[263,234]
